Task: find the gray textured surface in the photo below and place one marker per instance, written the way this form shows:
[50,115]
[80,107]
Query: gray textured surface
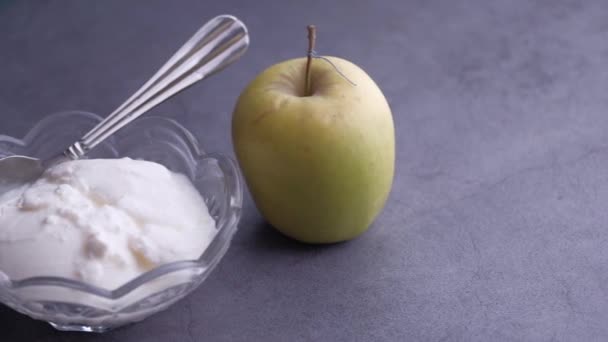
[497,226]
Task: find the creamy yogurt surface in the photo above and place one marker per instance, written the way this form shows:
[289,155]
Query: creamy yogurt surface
[102,221]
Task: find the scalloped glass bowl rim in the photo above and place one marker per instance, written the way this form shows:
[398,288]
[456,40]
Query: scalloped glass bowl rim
[8,284]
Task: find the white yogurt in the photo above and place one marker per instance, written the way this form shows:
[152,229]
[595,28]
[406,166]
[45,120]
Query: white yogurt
[102,221]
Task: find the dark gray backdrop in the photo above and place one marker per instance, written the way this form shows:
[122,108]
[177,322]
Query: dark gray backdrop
[497,226]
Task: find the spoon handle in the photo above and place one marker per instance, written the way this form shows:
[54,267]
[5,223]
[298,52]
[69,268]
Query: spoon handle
[217,44]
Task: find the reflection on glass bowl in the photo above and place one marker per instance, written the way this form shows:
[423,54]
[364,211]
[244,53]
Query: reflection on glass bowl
[73,305]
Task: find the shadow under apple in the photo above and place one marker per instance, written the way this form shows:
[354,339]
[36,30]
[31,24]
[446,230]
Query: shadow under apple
[264,236]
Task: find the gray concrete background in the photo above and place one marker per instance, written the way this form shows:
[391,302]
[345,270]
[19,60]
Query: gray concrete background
[496,229]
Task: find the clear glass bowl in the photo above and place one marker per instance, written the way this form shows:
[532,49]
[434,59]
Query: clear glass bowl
[73,305]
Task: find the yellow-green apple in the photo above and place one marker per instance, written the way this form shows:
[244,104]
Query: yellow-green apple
[319,164]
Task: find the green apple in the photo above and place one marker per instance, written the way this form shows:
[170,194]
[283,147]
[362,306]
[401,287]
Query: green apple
[319,166]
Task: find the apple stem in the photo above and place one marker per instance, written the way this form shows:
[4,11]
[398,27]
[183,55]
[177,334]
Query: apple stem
[312,37]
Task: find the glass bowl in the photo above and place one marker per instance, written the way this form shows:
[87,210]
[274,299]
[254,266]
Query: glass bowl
[76,306]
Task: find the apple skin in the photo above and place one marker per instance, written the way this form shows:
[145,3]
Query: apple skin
[319,167]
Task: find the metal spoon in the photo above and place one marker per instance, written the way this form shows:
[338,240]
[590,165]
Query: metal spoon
[217,44]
